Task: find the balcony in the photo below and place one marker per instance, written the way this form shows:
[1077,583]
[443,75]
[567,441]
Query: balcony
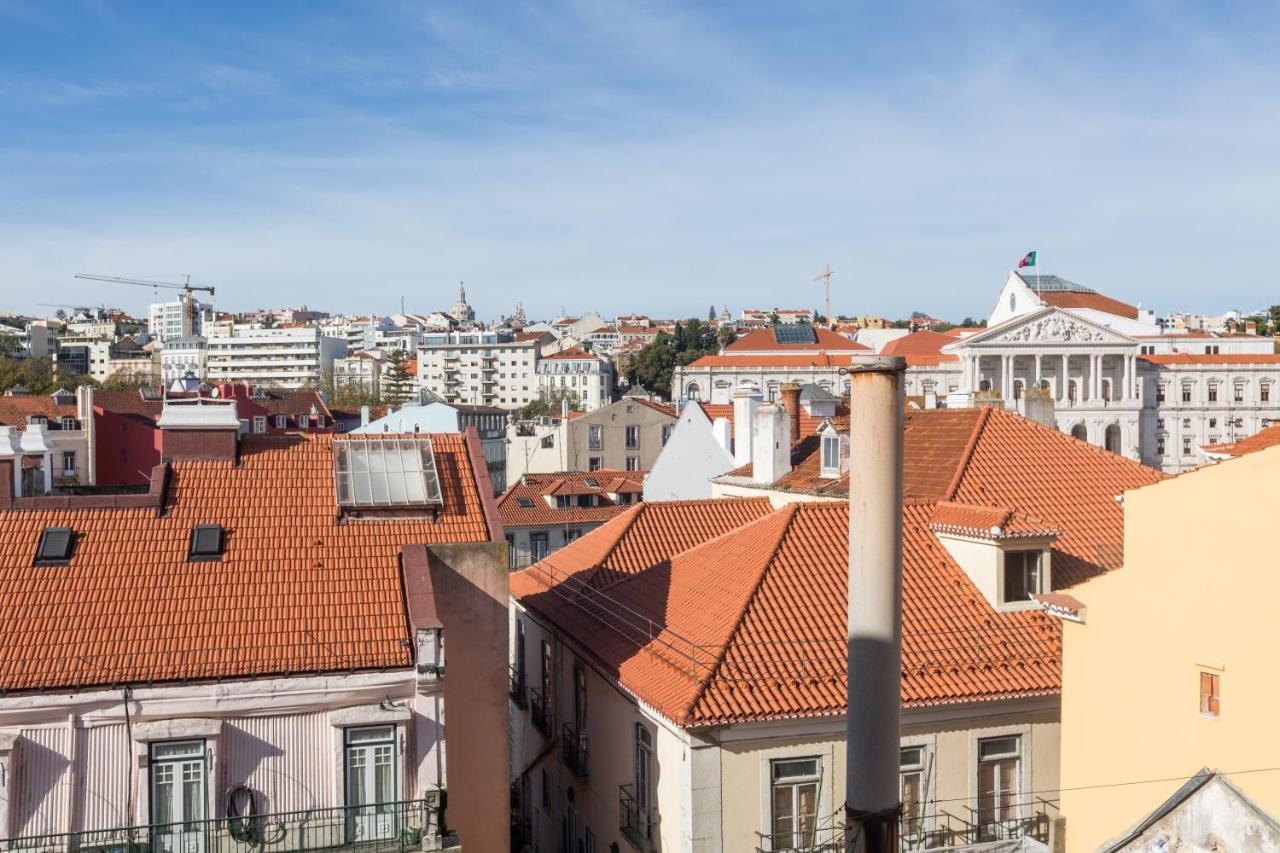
[413,825]
[635,821]
[540,711]
[573,749]
[518,693]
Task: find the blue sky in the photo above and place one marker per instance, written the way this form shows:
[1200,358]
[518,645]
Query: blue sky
[648,157]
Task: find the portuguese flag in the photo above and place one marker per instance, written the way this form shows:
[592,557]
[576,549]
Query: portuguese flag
[1028,261]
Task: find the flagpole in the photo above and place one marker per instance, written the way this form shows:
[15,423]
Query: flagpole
[1037,271]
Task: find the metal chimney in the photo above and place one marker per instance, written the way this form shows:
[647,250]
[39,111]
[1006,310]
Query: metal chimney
[873,723]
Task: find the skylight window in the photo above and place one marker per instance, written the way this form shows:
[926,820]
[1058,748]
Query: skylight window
[593,482]
[525,502]
[206,543]
[395,473]
[55,546]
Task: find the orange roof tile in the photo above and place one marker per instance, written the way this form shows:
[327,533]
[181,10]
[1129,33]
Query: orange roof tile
[532,489]
[1261,440]
[761,340]
[808,423]
[1225,358]
[986,522]
[297,590]
[770,361]
[1096,301]
[14,411]
[573,353]
[918,343]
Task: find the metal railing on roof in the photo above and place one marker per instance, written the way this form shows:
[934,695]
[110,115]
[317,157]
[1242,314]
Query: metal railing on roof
[392,826]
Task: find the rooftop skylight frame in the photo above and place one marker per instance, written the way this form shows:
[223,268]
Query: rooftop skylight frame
[386,474]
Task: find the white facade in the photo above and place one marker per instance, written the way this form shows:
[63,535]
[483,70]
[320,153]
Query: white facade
[490,369]
[589,376]
[696,451]
[174,319]
[285,358]
[180,357]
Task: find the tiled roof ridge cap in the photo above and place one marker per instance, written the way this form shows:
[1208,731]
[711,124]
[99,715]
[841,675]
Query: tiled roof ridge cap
[967,455]
[787,514]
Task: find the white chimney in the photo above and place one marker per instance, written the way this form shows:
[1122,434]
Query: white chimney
[722,429]
[771,443]
[746,400]
[364,416]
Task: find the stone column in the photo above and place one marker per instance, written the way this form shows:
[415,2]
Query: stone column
[1066,377]
[1036,378]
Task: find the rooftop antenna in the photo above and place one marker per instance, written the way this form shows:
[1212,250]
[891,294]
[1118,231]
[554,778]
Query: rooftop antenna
[825,278]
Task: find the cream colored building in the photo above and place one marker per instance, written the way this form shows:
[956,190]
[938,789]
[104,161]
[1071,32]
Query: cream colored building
[1172,668]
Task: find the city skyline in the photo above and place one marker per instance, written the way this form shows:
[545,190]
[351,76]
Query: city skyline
[638,153]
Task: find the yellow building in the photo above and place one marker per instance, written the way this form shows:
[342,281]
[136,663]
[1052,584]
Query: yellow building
[1173,667]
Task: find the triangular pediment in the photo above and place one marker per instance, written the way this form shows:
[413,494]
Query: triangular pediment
[1049,325]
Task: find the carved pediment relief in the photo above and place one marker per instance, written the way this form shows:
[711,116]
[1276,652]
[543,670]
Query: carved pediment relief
[1054,328]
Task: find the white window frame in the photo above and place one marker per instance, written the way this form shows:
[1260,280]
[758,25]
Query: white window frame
[1023,733]
[68,456]
[826,793]
[282,421]
[829,439]
[259,424]
[928,744]
[1045,572]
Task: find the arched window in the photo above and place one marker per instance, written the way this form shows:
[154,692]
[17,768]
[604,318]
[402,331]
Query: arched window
[1113,438]
[1017,389]
[692,391]
[984,385]
[1080,431]
[1106,390]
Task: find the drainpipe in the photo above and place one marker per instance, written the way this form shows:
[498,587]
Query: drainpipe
[875,604]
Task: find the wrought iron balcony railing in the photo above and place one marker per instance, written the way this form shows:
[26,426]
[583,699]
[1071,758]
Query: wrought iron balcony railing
[411,825]
[635,820]
[573,749]
[540,711]
[519,694]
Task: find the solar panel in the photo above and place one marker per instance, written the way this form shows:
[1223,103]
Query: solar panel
[794,333]
[397,472]
[55,546]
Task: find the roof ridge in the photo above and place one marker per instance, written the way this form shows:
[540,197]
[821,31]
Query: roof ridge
[967,455]
[631,515]
[788,514]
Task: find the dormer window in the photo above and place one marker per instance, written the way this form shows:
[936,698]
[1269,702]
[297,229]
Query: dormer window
[830,453]
[1023,576]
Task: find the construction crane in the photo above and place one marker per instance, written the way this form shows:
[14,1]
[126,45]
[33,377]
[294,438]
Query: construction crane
[825,278]
[186,287]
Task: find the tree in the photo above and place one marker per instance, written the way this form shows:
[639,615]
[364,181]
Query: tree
[549,404]
[398,379]
[725,336]
[269,321]
[1274,314]
[711,314]
[130,380]
[774,319]
[654,366]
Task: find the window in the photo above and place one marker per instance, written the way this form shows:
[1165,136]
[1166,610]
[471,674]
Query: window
[1186,393]
[511,551]
[537,546]
[371,783]
[1238,394]
[549,440]
[68,463]
[633,463]
[830,454]
[206,543]
[1022,575]
[1186,447]
[593,463]
[179,797]
[282,421]
[1213,393]
[1264,392]
[999,765]
[643,778]
[571,534]
[595,437]
[666,433]
[1213,423]
[259,423]
[56,544]
[911,788]
[1186,423]
[67,423]
[524,503]
[633,437]
[794,803]
[1160,393]
[1210,683]
[1160,445]
[1159,423]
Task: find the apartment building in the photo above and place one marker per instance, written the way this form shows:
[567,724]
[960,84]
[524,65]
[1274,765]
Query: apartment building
[180,318]
[489,368]
[627,435]
[55,433]
[282,357]
[184,357]
[588,376]
[1168,667]
[542,513]
[309,714]
[689,657]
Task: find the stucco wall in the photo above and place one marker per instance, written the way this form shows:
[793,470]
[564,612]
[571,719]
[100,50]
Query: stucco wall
[1196,595]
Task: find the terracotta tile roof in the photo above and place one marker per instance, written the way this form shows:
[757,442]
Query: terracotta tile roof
[990,457]
[761,340]
[573,354]
[800,361]
[963,331]
[918,343]
[809,424]
[1079,299]
[1225,358]
[1261,440]
[987,522]
[532,489]
[296,589]
[750,624]
[14,411]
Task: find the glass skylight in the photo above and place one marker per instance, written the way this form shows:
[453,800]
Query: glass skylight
[390,473]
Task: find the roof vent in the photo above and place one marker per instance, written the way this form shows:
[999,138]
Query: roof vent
[55,546]
[206,543]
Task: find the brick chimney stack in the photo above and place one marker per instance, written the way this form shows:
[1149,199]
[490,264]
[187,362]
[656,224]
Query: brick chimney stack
[791,402]
[199,428]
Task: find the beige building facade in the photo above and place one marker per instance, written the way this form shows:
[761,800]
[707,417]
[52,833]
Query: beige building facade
[1172,669]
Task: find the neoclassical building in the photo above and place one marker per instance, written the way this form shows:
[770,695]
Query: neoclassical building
[1115,379]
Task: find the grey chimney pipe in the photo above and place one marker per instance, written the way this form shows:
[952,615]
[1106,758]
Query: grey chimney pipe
[875,604]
